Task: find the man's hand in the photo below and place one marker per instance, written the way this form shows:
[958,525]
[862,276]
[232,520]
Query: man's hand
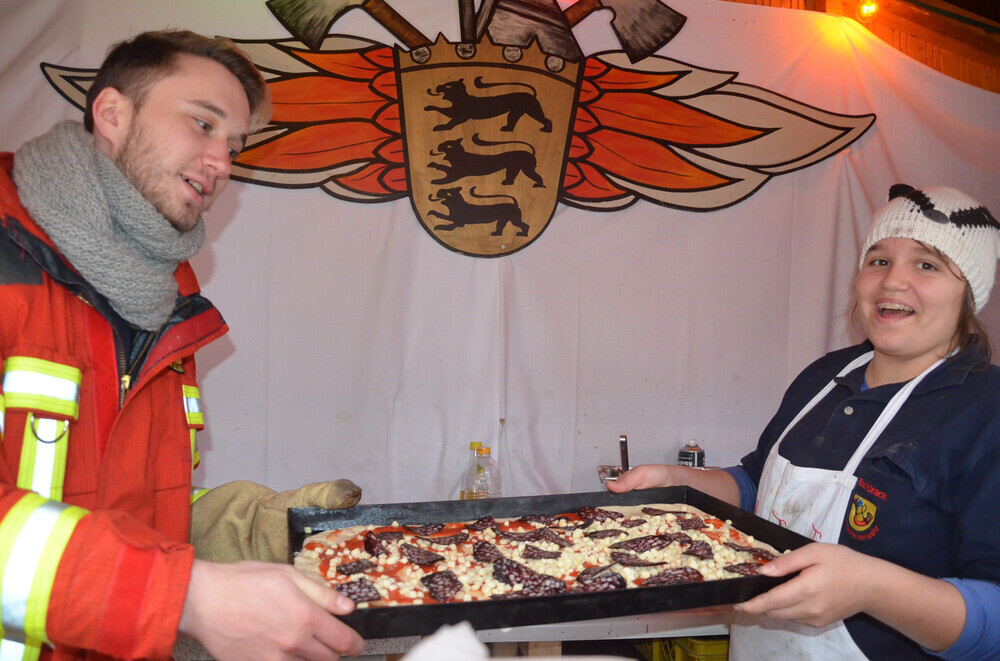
[646,476]
[255,610]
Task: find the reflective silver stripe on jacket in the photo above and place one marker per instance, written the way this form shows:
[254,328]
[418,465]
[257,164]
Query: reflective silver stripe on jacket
[36,383]
[33,535]
[22,564]
[15,650]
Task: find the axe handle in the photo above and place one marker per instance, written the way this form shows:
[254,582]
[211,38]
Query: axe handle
[467,20]
[400,28]
[581,9]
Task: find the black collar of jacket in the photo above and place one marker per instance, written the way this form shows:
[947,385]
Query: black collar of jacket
[46,258]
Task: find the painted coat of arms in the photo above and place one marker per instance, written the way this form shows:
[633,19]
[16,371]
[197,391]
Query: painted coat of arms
[487,135]
[486,159]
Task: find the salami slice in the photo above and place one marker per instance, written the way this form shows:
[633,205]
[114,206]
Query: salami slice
[700,549]
[598,514]
[643,544]
[652,511]
[528,536]
[359,590]
[602,583]
[374,545]
[632,523]
[744,569]
[545,584]
[760,554]
[570,527]
[485,552]
[390,535]
[423,531]
[674,576]
[536,535]
[419,556]
[630,560]
[544,519]
[543,588]
[481,524]
[356,567]
[534,553]
[590,572]
[605,534]
[442,585]
[450,540]
[510,572]
[691,523]
[680,537]
[549,535]
[535,583]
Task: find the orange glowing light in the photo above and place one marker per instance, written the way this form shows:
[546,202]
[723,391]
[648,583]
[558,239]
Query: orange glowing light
[867,10]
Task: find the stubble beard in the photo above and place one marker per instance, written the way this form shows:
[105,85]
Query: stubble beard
[140,163]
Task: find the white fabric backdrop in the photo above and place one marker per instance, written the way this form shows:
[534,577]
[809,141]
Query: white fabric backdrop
[361,348]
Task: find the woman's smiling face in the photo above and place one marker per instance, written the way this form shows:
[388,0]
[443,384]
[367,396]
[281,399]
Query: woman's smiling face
[909,300]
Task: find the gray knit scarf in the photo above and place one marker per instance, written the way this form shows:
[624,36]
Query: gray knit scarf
[107,230]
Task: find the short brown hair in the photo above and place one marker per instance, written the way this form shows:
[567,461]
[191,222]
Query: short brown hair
[132,67]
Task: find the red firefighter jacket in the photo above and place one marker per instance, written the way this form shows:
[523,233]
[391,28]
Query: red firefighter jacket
[121,572]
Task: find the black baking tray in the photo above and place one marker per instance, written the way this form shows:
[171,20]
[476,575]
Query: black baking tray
[387,622]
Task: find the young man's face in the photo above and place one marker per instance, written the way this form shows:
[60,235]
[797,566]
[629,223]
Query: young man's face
[180,144]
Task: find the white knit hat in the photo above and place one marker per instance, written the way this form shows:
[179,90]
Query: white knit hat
[946,219]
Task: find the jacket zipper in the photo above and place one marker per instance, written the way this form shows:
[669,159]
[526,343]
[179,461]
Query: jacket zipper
[126,378]
[128,375]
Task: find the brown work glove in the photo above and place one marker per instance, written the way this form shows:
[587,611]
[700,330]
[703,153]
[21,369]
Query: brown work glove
[247,521]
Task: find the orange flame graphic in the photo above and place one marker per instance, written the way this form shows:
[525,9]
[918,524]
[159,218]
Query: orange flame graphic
[346,113]
[659,129]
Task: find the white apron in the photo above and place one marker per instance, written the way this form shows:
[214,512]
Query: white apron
[812,502]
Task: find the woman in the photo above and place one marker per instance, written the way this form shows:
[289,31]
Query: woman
[891,451]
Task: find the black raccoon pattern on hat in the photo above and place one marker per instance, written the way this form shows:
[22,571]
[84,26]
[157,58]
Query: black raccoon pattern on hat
[978,216]
[975,217]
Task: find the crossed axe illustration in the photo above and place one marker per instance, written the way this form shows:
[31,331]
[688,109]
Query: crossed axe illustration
[642,26]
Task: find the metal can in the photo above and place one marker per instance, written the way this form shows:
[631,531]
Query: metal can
[691,455]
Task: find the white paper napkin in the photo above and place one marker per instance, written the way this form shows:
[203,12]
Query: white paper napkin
[458,642]
[452,642]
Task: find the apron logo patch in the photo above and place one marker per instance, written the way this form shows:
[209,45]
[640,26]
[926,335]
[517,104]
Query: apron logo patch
[862,514]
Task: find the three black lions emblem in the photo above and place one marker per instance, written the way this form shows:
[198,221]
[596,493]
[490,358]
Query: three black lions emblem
[462,163]
[465,107]
[461,212]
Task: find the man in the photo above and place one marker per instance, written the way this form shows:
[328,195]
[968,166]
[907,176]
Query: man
[100,317]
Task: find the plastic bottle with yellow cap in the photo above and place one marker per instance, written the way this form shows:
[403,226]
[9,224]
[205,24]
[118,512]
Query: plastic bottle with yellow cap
[483,479]
[473,446]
